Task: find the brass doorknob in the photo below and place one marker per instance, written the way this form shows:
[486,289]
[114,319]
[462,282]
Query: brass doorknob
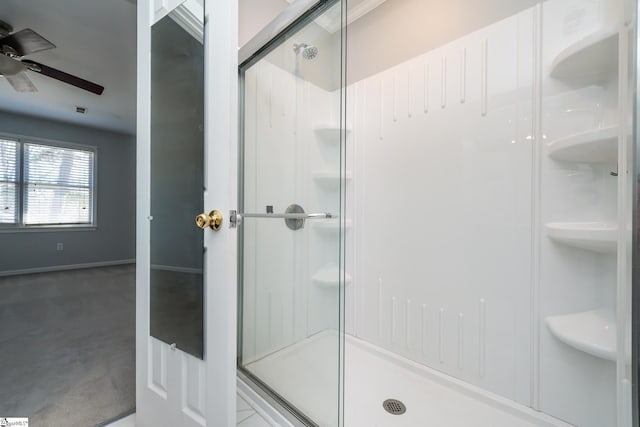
[213,220]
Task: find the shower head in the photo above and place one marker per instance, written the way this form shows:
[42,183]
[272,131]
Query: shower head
[308,51]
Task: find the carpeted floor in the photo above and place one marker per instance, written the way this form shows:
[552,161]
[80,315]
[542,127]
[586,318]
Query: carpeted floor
[67,346]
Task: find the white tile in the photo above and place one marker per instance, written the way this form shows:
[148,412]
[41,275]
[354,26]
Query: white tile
[243,415]
[129,421]
[242,418]
[241,404]
[254,421]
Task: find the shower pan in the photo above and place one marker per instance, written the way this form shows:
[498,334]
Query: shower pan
[466,191]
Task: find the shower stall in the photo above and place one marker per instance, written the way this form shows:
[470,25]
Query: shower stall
[436,212]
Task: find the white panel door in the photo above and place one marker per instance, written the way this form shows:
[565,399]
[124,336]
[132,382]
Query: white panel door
[174,388]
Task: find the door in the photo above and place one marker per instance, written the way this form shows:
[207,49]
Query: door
[292,188]
[186,290]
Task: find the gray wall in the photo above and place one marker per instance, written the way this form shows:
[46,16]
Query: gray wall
[114,239]
[255,15]
[396,31]
[399,30]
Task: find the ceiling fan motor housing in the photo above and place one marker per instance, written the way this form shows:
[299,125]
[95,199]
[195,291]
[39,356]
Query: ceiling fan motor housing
[5,29]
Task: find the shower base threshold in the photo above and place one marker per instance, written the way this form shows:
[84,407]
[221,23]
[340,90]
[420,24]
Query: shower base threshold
[305,374]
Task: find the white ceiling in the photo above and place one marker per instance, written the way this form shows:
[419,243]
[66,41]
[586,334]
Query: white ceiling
[96,40]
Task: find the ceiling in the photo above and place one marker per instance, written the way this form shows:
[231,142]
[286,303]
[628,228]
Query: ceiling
[355,10]
[95,40]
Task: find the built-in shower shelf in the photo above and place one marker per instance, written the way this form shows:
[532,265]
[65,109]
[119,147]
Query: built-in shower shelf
[330,227]
[330,179]
[591,57]
[594,146]
[329,277]
[329,133]
[594,236]
[593,332]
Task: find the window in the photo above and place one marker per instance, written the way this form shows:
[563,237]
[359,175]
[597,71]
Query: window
[45,185]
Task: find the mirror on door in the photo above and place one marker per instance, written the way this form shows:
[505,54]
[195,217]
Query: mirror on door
[177,178]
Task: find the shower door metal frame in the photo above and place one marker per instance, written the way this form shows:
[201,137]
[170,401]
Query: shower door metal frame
[635,220]
[299,14]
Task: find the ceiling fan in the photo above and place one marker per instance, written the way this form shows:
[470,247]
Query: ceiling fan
[14,46]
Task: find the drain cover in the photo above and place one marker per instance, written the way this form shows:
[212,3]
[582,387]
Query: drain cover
[394,406]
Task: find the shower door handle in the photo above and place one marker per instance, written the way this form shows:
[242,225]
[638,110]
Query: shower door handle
[294,217]
[239,216]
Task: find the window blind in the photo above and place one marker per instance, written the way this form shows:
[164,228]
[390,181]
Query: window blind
[9,153]
[58,185]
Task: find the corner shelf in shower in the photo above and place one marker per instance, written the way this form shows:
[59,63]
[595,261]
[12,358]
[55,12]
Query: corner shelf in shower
[593,146]
[329,133]
[329,277]
[593,332]
[591,57]
[330,227]
[593,236]
[329,179]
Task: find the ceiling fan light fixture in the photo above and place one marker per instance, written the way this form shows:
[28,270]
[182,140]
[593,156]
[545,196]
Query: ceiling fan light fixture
[10,52]
[9,66]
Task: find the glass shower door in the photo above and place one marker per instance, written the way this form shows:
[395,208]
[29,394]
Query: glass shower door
[291,199]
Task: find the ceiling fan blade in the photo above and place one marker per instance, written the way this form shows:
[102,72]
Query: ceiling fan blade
[21,83]
[9,66]
[64,77]
[26,42]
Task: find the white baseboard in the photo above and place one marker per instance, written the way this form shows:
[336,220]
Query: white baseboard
[66,267]
[176,269]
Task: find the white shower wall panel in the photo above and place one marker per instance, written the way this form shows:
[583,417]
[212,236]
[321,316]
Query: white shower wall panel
[282,154]
[443,179]
[264,306]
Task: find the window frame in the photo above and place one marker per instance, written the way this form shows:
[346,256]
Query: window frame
[20,226]
[18,161]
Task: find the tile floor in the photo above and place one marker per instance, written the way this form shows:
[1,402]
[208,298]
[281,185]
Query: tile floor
[246,416]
